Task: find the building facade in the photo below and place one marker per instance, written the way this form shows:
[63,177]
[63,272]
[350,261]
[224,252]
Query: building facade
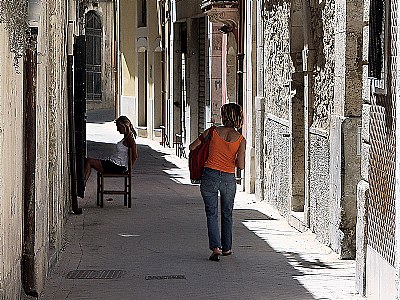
[309,114]
[96,21]
[318,84]
[43,99]
[34,181]
[378,190]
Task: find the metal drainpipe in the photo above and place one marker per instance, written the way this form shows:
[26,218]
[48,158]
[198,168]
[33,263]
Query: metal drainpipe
[240,59]
[117,56]
[163,66]
[240,55]
[29,225]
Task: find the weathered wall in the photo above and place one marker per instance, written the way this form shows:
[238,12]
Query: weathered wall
[322,89]
[278,64]
[51,188]
[311,84]
[57,118]
[11,162]
[377,260]
[377,222]
[323,27]
[277,152]
[320,206]
[278,70]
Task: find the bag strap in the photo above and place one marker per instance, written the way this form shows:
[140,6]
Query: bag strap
[210,131]
[203,139]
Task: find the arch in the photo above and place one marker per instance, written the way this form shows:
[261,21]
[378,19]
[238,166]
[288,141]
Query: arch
[157,46]
[94,36]
[141,44]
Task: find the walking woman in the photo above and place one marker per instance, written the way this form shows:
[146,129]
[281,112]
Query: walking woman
[226,151]
[118,161]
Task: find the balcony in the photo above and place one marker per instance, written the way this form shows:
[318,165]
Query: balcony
[222,12]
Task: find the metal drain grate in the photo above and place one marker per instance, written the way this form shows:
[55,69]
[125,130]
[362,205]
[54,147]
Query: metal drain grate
[94,274]
[162,277]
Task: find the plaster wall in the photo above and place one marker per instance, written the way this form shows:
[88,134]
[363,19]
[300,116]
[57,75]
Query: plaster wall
[128,20]
[380,286]
[11,162]
[140,68]
[57,132]
[52,179]
[51,188]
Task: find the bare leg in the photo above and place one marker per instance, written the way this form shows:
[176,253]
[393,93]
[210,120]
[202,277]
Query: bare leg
[92,163]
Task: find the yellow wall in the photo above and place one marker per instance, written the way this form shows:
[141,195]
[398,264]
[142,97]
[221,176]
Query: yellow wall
[128,25]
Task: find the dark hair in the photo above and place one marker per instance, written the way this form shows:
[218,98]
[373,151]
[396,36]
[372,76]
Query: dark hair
[124,121]
[232,115]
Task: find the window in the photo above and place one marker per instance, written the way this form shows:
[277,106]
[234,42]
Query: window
[142,13]
[378,41]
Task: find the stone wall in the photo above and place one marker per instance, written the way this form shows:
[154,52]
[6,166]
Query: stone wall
[320,205]
[323,28]
[328,213]
[277,153]
[277,72]
[278,67]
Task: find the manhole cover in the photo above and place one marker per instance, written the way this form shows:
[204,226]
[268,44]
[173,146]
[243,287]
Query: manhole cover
[162,277]
[94,274]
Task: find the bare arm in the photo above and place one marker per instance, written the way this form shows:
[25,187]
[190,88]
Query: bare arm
[240,158]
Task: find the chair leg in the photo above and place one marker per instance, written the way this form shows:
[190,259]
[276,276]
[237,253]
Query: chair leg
[130,192]
[98,188]
[101,193]
[125,202]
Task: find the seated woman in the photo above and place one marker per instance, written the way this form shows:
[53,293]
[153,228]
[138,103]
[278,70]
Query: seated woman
[118,161]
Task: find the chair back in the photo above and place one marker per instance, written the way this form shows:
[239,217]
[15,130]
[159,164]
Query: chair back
[130,161]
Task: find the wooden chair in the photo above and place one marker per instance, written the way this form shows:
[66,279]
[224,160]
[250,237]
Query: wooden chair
[127,191]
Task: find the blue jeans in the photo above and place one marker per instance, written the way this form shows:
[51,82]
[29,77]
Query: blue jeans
[212,182]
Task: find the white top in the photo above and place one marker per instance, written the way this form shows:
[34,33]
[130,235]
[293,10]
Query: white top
[120,156]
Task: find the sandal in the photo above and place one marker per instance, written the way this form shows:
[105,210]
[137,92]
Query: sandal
[226,253]
[215,254]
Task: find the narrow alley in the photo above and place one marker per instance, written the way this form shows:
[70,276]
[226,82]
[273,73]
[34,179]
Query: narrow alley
[158,248]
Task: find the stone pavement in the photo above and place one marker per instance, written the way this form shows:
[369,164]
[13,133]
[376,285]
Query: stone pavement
[158,249]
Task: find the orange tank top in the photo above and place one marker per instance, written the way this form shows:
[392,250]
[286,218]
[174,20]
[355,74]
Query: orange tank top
[222,154]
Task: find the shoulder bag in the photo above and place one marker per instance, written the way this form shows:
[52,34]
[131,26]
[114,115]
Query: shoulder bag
[199,156]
